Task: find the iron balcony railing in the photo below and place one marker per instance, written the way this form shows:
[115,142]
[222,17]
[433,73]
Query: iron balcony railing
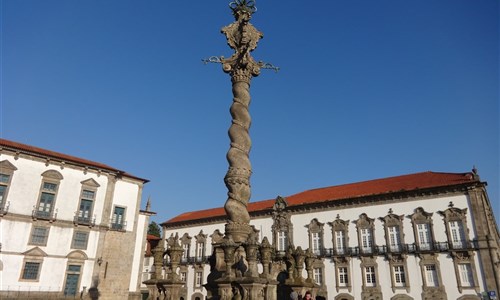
[118,225]
[403,248]
[84,220]
[358,251]
[44,215]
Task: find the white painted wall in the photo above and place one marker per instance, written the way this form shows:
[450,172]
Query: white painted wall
[301,238]
[15,234]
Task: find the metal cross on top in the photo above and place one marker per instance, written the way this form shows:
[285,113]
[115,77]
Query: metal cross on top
[242,37]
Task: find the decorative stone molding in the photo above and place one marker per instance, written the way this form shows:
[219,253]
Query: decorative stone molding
[343,262]
[456,217]
[281,222]
[370,292]
[52,174]
[437,291]
[421,217]
[7,169]
[217,236]
[316,236]
[465,258]
[394,223]
[340,235]
[365,226]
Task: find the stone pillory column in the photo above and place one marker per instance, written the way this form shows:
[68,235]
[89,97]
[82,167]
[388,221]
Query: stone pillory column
[242,37]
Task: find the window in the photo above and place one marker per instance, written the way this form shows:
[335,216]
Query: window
[72,279]
[365,226]
[183,276]
[466,278]
[86,203]
[424,236]
[39,236]
[343,276]
[31,270]
[370,279]
[47,199]
[200,251]
[431,275]
[457,234]
[185,253]
[318,276]
[198,279]
[394,238]
[399,276]
[282,241]
[4,181]
[7,170]
[366,240]
[118,222]
[340,243]
[80,239]
[316,243]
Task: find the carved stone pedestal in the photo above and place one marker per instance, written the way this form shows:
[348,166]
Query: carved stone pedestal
[163,289]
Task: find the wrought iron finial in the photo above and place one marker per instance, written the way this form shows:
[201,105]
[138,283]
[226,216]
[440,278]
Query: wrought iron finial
[243,6]
[213,59]
[264,65]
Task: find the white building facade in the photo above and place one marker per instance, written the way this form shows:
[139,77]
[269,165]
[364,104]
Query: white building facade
[419,236]
[69,227]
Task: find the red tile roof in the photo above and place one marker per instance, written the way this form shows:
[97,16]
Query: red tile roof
[23,148]
[403,183]
[153,237]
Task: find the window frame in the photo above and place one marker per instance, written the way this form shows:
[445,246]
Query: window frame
[7,169]
[422,218]
[114,224]
[23,270]
[366,235]
[34,229]
[340,226]
[73,240]
[50,177]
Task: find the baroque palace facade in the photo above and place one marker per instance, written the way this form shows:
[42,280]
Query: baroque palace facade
[420,236]
[69,227]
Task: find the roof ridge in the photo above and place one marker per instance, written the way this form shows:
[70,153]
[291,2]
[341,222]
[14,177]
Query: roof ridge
[425,179]
[373,180]
[62,156]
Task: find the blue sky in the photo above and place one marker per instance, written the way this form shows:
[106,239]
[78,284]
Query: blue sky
[367,89]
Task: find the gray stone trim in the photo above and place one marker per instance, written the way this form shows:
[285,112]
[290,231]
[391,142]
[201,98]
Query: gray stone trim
[365,223]
[33,227]
[281,223]
[393,220]
[370,292]
[401,297]
[399,261]
[201,241]
[316,227]
[344,296]
[343,262]
[453,214]
[6,168]
[420,216]
[465,257]
[488,236]
[432,292]
[339,225]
